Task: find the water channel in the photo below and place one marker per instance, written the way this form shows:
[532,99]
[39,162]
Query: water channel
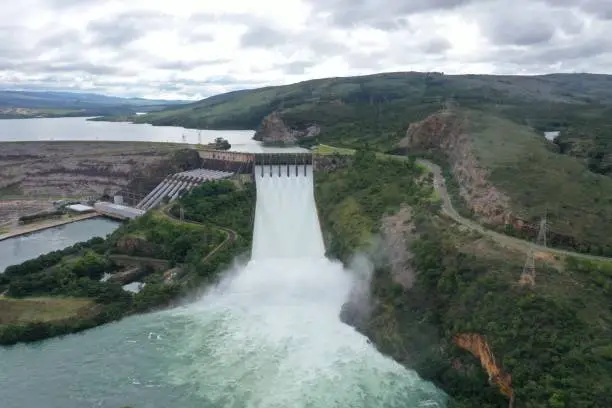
[18,249]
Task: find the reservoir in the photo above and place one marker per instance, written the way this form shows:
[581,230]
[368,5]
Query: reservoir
[58,129]
[19,249]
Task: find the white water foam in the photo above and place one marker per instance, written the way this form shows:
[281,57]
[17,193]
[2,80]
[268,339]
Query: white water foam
[286,222]
[270,334]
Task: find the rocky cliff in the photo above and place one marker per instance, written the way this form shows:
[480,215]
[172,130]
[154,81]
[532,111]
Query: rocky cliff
[447,132]
[274,130]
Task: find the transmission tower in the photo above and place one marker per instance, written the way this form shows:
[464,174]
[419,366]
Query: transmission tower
[182,214]
[529,270]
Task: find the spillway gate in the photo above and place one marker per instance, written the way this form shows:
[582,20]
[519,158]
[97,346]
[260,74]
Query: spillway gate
[282,164]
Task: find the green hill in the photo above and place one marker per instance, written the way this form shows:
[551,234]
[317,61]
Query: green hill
[377,109]
[538,180]
[384,96]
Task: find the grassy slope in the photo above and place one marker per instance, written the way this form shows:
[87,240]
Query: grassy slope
[526,167]
[352,200]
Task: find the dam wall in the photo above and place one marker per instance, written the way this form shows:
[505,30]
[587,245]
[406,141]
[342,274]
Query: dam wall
[244,163]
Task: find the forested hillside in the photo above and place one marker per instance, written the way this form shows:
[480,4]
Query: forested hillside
[453,308]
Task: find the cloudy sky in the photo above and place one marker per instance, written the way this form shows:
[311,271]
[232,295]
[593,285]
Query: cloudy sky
[195,48]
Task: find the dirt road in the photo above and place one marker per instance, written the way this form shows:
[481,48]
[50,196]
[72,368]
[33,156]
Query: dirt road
[502,239]
[231,235]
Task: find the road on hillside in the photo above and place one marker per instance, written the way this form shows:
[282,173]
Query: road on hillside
[502,239]
[231,235]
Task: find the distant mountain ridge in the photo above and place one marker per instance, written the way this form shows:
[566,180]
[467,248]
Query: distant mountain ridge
[64,99]
[25,104]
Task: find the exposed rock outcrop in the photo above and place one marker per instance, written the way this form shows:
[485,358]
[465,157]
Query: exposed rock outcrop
[79,169]
[447,132]
[274,130]
[398,234]
[478,346]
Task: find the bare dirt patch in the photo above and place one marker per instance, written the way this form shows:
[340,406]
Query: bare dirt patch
[50,171]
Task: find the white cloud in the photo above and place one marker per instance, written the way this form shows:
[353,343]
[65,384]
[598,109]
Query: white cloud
[185,48]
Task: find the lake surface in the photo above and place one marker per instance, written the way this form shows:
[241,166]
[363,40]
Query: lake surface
[50,129]
[19,249]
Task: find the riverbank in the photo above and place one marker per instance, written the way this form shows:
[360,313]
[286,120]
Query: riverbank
[35,227]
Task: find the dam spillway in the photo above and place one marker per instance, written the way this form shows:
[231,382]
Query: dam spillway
[286,191]
[270,334]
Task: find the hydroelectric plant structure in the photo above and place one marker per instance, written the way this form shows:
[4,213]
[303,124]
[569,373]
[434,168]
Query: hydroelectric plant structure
[268,335]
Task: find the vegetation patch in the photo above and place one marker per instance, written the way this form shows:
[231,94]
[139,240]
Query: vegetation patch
[222,203]
[352,200]
[324,149]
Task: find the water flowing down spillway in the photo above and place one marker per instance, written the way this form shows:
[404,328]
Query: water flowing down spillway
[272,337]
[286,222]
[269,335]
